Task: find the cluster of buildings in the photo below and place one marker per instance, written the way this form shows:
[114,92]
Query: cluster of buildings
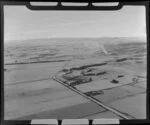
[77,77]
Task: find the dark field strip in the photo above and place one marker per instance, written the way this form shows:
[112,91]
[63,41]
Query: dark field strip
[27,81]
[120,60]
[36,62]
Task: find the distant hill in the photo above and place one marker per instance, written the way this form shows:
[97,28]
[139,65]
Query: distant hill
[58,40]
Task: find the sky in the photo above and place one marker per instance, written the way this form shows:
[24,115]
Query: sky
[20,23]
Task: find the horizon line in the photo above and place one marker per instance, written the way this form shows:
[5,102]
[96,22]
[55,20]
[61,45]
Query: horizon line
[77,38]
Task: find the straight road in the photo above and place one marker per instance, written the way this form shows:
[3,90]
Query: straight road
[122,115]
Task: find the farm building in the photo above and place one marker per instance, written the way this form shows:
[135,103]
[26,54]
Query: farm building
[81,80]
[93,72]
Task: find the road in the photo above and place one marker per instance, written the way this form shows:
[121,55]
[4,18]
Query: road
[122,115]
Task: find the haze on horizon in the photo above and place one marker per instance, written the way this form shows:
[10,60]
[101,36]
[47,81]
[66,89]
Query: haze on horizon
[21,23]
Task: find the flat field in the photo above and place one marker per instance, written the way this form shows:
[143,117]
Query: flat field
[31,93]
